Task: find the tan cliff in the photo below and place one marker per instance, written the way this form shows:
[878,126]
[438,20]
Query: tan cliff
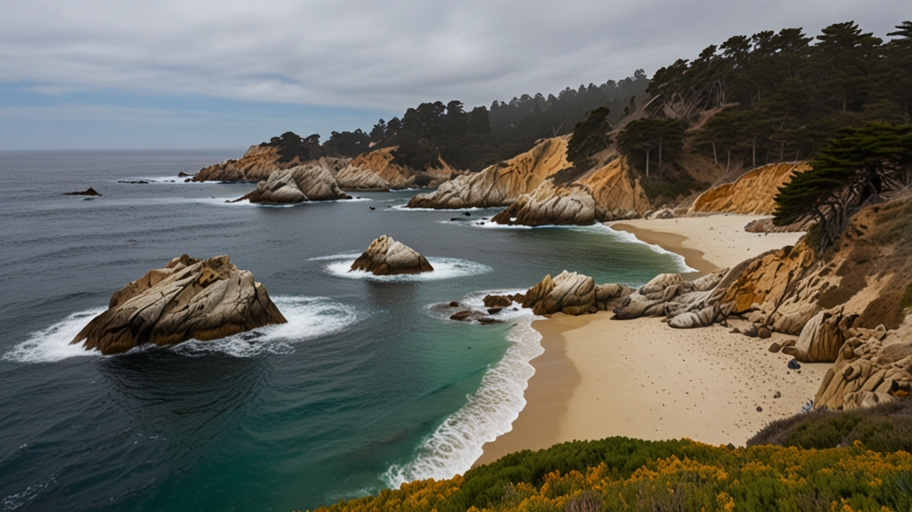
[502,183]
[616,192]
[380,162]
[609,193]
[754,193]
[257,164]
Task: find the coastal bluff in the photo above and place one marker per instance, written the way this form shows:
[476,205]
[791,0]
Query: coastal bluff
[188,299]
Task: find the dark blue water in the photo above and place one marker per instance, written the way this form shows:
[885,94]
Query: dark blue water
[366,386]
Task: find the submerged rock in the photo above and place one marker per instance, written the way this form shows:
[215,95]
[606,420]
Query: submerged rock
[87,192]
[386,256]
[188,299]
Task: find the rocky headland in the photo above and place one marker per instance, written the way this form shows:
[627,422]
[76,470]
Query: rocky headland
[296,185]
[607,193]
[386,257]
[188,299]
[502,183]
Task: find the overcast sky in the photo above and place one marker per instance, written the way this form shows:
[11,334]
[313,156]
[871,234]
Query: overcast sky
[118,74]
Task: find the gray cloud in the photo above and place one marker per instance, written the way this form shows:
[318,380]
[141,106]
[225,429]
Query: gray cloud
[390,54]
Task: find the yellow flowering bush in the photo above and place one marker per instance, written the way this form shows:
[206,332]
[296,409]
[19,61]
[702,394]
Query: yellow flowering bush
[626,474]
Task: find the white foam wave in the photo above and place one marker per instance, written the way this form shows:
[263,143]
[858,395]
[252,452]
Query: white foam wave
[624,236]
[346,256]
[444,268]
[405,208]
[308,318]
[53,343]
[489,413]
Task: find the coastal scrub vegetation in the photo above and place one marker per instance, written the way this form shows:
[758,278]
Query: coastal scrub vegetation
[626,474]
[850,172]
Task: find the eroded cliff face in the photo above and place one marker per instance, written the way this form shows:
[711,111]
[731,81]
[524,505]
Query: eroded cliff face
[609,193]
[257,164]
[501,183]
[615,192]
[753,193]
[551,205]
[380,162]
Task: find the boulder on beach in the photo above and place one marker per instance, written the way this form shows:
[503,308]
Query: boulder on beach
[296,185]
[87,192]
[386,256]
[188,299]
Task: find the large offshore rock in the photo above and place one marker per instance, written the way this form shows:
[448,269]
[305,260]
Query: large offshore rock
[551,205]
[362,179]
[188,299]
[296,185]
[499,184]
[386,256]
[753,193]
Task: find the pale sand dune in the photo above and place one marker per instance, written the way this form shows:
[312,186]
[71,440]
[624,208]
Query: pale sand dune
[639,378]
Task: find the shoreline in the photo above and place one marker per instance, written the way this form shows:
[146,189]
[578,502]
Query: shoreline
[640,378]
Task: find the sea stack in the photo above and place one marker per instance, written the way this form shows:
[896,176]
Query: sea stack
[386,257]
[188,299]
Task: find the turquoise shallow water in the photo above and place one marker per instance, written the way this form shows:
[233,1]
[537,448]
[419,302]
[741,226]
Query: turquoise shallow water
[368,385]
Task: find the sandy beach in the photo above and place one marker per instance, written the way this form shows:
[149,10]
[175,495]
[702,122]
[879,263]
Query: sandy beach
[639,378]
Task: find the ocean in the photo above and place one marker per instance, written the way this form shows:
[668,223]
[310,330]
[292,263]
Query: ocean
[367,386]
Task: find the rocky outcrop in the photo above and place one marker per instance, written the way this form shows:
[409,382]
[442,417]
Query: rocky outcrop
[380,162]
[684,304]
[87,192]
[361,179]
[572,294]
[296,185]
[258,163]
[771,288]
[617,195]
[551,205]
[188,299]
[822,337]
[386,256]
[872,368]
[753,193]
[502,183]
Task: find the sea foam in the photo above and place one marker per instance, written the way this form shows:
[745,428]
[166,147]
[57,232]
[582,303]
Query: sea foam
[457,443]
[308,318]
[444,268]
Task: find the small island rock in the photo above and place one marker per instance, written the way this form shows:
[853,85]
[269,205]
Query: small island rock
[386,256]
[188,299]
